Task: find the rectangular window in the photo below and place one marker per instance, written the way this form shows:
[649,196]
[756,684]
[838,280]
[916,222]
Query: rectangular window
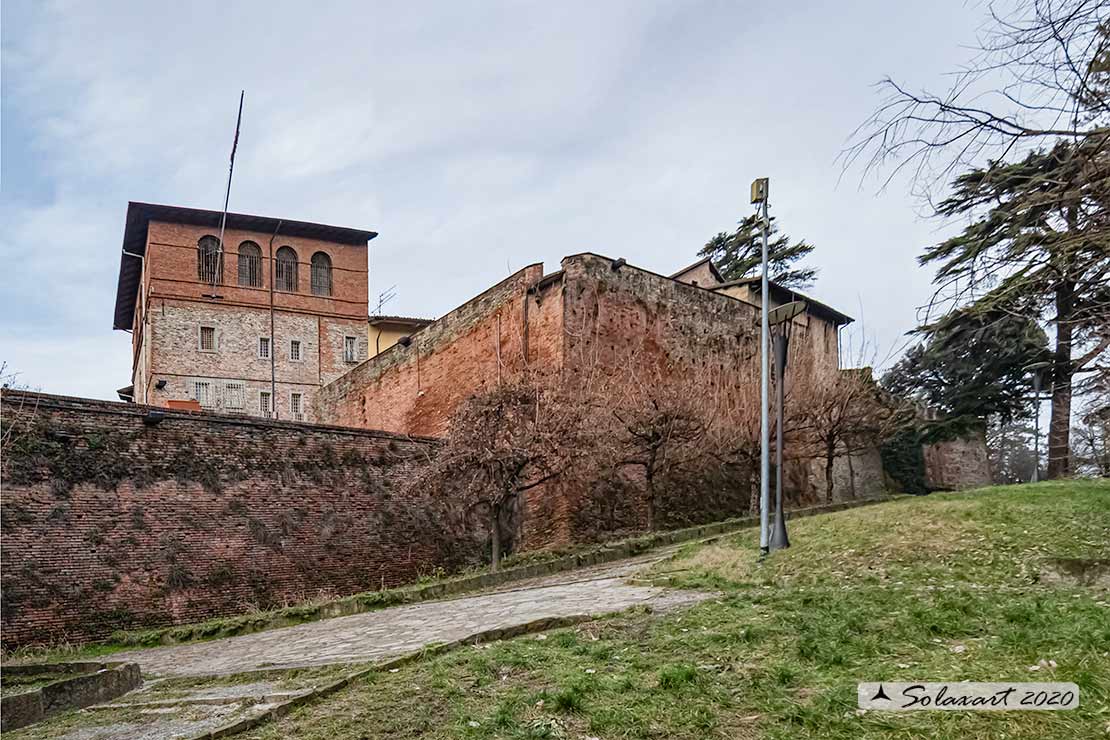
[202,392]
[295,350]
[296,407]
[234,396]
[265,405]
[350,349]
[263,348]
[207,339]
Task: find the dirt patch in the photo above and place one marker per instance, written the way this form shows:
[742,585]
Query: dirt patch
[1087,572]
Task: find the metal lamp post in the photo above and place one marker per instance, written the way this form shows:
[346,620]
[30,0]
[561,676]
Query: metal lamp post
[1037,368]
[781,319]
[760,188]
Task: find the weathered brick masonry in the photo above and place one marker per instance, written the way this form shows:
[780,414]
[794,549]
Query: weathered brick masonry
[956,464]
[613,319]
[597,315]
[413,389]
[111,521]
[586,314]
[307,313]
[593,316]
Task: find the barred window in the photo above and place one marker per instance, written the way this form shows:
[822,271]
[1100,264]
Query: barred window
[295,350]
[296,407]
[350,349]
[207,340]
[202,392]
[234,395]
[210,268]
[285,270]
[265,405]
[250,265]
[263,348]
[321,274]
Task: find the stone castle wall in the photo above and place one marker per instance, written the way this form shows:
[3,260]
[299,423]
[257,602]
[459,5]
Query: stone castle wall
[957,464]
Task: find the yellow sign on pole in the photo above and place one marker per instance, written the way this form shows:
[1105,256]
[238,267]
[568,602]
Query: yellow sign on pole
[759,190]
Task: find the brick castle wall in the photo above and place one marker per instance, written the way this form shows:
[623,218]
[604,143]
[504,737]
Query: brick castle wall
[618,319]
[112,523]
[591,317]
[415,389]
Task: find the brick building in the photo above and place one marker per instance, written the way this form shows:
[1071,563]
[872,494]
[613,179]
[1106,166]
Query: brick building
[124,516]
[255,328]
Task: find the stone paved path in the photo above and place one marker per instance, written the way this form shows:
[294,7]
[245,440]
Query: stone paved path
[386,633]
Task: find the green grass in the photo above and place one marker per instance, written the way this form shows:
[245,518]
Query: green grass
[21,684]
[63,653]
[944,587]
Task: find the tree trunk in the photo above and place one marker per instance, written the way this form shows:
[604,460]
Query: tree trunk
[1059,425]
[830,457]
[753,492]
[495,536]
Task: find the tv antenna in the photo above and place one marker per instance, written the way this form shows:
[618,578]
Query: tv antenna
[385,297]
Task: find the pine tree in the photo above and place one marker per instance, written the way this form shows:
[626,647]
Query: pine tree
[971,367]
[739,254]
[1040,251]
[1033,104]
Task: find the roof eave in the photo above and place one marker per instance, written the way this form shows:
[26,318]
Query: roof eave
[136,225]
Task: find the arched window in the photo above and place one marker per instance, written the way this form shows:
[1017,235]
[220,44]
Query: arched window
[250,265]
[210,268]
[321,274]
[285,270]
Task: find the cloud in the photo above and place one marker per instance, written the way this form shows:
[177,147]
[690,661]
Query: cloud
[476,139]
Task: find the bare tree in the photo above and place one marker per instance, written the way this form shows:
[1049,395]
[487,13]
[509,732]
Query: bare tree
[1039,75]
[16,419]
[1091,439]
[1010,450]
[732,436]
[839,414]
[502,443]
[1024,135]
[660,425]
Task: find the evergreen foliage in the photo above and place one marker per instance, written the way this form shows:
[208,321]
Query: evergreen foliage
[971,367]
[739,255]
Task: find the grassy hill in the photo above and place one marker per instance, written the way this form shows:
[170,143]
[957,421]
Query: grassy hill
[985,585]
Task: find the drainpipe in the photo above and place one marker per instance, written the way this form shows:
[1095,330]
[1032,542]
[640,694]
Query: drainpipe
[142,314]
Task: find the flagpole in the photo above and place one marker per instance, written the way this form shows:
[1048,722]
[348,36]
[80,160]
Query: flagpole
[227,193]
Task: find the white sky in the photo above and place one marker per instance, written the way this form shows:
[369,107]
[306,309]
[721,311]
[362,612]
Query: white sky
[476,137]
